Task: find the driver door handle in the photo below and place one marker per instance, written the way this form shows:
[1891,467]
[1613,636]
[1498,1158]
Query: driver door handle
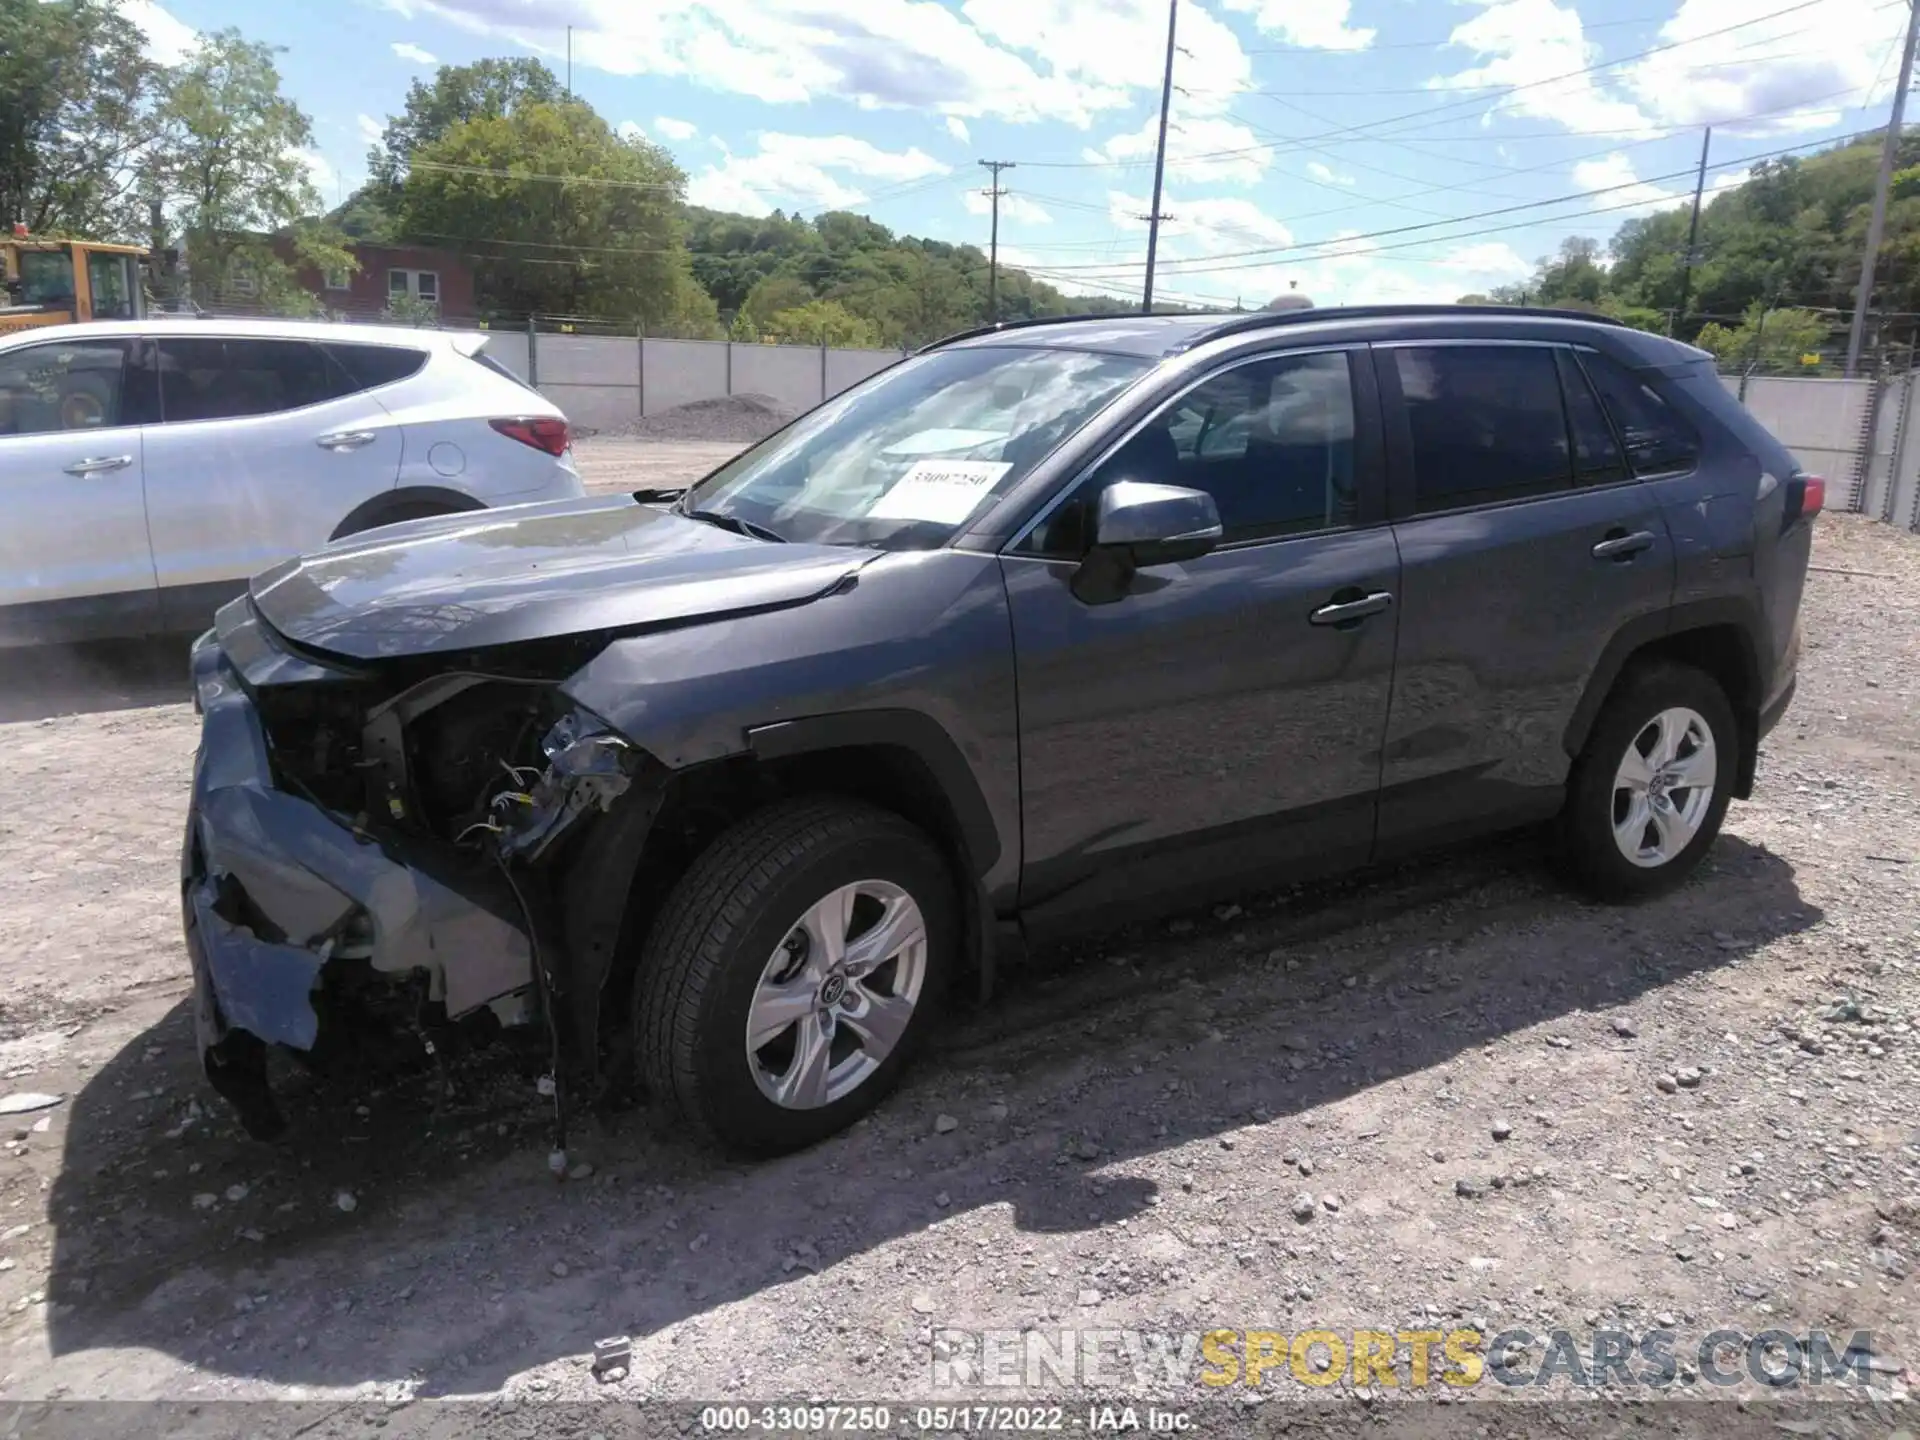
[99,464]
[346,440]
[1619,546]
[1341,612]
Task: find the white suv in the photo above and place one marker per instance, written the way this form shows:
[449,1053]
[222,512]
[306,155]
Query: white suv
[148,468]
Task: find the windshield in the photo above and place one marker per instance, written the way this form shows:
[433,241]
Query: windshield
[904,460]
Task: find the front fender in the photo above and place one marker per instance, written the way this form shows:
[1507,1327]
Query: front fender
[915,650]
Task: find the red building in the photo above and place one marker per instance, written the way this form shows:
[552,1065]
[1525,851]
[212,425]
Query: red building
[387,272]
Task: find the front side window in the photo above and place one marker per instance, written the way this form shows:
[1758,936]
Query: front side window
[906,458]
[212,379]
[1486,421]
[1271,441]
[1658,440]
[62,386]
[46,277]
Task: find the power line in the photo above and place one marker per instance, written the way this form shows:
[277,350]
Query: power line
[1441,43]
[1200,265]
[1510,90]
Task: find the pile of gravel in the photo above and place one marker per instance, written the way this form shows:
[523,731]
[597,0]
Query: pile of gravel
[732,417]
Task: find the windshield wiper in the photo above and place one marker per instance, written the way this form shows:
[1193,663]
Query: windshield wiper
[735,524]
[664,492]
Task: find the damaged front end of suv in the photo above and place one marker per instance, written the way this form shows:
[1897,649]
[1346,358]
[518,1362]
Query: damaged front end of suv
[390,795]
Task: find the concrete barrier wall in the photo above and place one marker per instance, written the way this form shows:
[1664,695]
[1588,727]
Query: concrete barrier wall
[789,373]
[847,368]
[603,382]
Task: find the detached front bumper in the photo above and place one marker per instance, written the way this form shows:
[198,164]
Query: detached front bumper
[275,889]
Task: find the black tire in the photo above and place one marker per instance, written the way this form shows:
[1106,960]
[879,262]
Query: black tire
[413,510]
[1593,858]
[711,942]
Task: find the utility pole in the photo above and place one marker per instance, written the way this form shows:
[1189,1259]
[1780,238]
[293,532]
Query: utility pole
[1160,159]
[569,62]
[993,248]
[1693,233]
[1878,221]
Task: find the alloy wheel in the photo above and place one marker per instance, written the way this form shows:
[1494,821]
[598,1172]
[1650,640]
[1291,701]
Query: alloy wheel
[1663,787]
[837,994]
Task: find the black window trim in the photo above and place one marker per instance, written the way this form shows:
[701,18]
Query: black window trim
[1579,353]
[1397,424]
[1369,511]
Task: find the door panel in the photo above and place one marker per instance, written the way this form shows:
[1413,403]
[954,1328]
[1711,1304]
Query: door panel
[74,559]
[1505,607]
[259,457]
[1203,731]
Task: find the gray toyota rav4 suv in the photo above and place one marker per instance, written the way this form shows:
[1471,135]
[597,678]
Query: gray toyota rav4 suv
[1048,627]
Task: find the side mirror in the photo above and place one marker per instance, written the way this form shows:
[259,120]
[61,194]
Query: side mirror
[1155,524]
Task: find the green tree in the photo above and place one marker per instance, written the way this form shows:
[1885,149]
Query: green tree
[76,117]
[457,94]
[1774,342]
[227,169]
[822,322]
[573,220]
[743,329]
[771,296]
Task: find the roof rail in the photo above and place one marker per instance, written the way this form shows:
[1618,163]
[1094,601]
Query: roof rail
[1261,319]
[978,330]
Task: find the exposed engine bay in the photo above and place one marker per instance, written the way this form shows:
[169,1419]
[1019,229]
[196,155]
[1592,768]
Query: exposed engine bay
[364,839]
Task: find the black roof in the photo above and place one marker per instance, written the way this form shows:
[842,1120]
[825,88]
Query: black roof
[1156,336]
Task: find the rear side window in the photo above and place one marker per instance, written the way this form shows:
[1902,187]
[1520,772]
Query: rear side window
[1596,453]
[370,365]
[1659,440]
[212,379]
[1486,421]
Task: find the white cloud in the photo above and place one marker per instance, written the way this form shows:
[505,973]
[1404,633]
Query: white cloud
[1798,70]
[370,129]
[1016,208]
[1524,42]
[798,172]
[630,130]
[1316,24]
[1130,51]
[169,40]
[1188,141]
[408,51]
[675,129]
[324,177]
[957,128]
[1615,176]
[1327,173]
[1016,60]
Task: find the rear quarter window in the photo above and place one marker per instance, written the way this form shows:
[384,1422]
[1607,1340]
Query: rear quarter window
[370,365]
[1659,440]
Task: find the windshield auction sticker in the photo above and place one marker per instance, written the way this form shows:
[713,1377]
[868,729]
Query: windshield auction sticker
[940,490]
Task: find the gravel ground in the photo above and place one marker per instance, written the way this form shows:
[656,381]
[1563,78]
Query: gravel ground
[1444,1096]
[739,419]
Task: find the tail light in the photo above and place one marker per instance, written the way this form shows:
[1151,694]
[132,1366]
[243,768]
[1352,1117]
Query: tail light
[542,432]
[1806,498]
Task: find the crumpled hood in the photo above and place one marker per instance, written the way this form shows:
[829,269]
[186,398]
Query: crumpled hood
[534,572]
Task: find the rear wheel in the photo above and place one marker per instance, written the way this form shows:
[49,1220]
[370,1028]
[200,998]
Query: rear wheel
[413,510]
[793,971]
[1649,791]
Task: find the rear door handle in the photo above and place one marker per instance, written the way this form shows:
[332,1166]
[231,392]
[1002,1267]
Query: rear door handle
[346,439]
[1342,612]
[99,464]
[1623,547]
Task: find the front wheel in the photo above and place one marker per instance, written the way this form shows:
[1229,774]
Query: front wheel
[793,971]
[1650,789]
